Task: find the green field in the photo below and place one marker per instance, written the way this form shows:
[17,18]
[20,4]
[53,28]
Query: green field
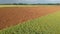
[49,24]
[19,5]
[25,5]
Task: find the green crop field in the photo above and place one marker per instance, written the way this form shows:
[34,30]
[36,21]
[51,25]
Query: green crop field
[19,5]
[24,5]
[49,24]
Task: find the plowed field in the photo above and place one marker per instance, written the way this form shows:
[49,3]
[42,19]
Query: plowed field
[10,16]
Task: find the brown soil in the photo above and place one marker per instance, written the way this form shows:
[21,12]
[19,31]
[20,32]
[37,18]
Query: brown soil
[14,15]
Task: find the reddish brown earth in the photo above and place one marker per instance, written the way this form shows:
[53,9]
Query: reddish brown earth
[15,15]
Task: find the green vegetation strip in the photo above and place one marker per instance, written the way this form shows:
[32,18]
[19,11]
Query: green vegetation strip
[49,24]
[20,5]
[25,5]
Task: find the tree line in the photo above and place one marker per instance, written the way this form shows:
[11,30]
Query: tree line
[31,4]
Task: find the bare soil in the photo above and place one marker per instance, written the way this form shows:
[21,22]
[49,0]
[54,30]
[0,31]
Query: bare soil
[10,16]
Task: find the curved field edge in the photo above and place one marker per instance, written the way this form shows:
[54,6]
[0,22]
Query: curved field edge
[11,16]
[49,24]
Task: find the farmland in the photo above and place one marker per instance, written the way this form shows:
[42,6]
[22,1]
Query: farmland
[49,24]
[25,5]
[43,15]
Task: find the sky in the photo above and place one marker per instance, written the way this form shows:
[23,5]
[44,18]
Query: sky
[29,1]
